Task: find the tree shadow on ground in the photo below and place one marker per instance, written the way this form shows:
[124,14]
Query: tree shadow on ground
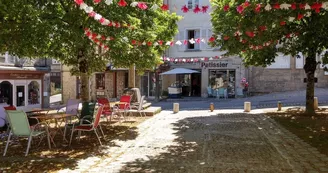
[62,156]
[225,143]
[312,129]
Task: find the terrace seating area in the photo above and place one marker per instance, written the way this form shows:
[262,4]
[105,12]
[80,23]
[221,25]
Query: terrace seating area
[54,128]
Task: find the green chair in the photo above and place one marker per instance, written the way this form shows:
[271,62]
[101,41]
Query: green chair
[20,127]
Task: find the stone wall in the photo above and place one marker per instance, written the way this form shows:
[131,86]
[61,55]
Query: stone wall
[69,84]
[264,80]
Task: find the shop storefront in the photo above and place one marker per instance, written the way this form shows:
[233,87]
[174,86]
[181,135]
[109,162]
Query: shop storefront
[22,88]
[215,75]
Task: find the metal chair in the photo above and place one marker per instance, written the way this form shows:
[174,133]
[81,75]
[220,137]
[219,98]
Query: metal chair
[88,127]
[20,127]
[139,108]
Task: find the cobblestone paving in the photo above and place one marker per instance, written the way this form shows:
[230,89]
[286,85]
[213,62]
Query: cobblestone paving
[204,142]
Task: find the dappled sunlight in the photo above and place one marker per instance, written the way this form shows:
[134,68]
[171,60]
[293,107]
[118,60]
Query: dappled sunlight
[63,156]
[212,143]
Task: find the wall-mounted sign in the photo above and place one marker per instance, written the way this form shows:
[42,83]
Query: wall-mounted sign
[20,76]
[215,64]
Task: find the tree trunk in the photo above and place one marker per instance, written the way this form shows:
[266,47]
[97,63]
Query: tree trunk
[83,68]
[132,77]
[310,67]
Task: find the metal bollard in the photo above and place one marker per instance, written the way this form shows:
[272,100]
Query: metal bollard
[247,106]
[211,107]
[316,106]
[279,105]
[175,107]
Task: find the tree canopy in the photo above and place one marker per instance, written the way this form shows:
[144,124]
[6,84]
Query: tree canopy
[56,29]
[254,29]
[257,30]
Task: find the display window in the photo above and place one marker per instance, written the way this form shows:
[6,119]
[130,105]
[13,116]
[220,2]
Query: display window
[222,80]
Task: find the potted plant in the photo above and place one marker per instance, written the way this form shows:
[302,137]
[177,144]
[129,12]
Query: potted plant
[165,94]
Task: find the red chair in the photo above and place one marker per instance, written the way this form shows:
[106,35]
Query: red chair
[10,108]
[124,105]
[89,127]
[107,111]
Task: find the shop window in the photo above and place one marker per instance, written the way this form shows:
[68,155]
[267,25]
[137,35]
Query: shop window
[33,93]
[100,81]
[20,95]
[6,92]
[222,80]
[193,34]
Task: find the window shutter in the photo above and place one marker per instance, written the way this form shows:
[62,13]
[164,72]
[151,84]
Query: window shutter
[181,37]
[203,46]
[197,35]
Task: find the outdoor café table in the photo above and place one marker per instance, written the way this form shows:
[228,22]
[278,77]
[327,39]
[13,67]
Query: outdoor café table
[59,119]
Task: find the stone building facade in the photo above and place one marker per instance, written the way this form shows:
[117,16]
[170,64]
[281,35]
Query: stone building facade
[286,74]
[109,84]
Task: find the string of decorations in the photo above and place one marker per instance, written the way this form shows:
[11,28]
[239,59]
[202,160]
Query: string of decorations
[97,40]
[95,36]
[191,59]
[102,20]
[196,10]
[140,5]
[316,6]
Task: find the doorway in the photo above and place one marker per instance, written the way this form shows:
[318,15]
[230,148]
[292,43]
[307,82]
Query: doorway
[6,92]
[196,84]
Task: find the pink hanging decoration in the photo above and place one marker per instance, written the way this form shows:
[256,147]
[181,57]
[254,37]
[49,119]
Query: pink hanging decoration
[172,43]
[165,7]
[78,2]
[300,16]
[258,8]
[197,9]
[212,39]
[276,6]
[185,42]
[92,14]
[302,6]
[96,1]
[250,34]
[282,23]
[204,8]
[142,5]
[240,9]
[226,38]
[102,20]
[262,28]
[316,7]
[226,8]
[149,43]
[197,40]
[133,42]
[122,3]
[293,6]
[184,9]
[246,4]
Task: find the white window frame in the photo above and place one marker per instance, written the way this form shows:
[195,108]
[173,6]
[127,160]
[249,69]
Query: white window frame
[193,4]
[54,61]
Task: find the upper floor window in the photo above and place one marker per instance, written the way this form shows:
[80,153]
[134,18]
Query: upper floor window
[100,80]
[54,61]
[192,4]
[193,34]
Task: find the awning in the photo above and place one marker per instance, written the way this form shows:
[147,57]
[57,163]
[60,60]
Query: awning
[180,71]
